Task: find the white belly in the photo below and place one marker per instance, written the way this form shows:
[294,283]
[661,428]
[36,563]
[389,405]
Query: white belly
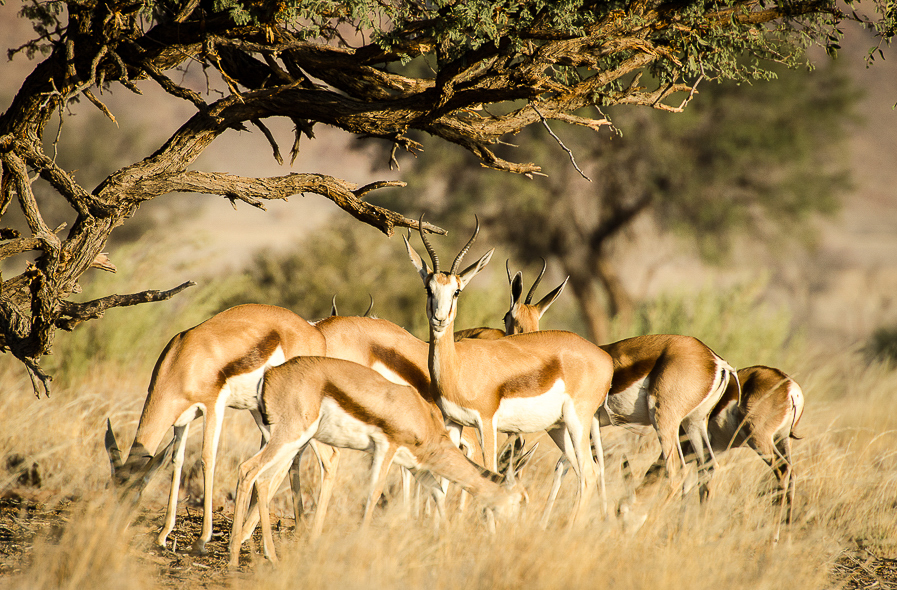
[532,414]
[241,392]
[460,414]
[629,406]
[404,458]
[340,429]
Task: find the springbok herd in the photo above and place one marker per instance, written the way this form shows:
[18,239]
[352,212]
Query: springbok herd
[366,384]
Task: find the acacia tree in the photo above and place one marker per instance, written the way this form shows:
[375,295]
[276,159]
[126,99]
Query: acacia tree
[493,68]
[755,161]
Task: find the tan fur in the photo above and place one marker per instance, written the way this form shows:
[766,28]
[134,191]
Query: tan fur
[192,372]
[771,405]
[394,423]
[471,379]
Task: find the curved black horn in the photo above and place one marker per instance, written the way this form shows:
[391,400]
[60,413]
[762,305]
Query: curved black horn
[508,268]
[430,250]
[532,290]
[464,250]
[367,314]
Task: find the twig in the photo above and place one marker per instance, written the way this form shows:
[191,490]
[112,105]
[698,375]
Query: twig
[560,143]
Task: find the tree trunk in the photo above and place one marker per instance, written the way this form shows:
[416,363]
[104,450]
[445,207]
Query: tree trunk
[593,310]
[620,303]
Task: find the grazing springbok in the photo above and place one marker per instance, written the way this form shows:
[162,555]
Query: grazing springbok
[664,381]
[764,418]
[216,365]
[344,404]
[554,381]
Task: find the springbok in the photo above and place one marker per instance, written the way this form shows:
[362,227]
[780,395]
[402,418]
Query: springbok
[554,381]
[520,315]
[215,365]
[344,404]
[764,418]
[664,381]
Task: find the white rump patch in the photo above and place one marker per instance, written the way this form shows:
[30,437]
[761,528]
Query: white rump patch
[532,414]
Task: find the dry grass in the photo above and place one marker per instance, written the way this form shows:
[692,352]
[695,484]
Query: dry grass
[847,495]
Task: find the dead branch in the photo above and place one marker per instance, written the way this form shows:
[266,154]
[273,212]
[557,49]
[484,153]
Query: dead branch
[71,314]
[560,143]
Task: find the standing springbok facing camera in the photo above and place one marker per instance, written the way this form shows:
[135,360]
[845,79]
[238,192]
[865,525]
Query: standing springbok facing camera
[215,365]
[344,404]
[554,381]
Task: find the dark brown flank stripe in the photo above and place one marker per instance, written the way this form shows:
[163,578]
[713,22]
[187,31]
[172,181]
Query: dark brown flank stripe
[406,369]
[362,414]
[533,383]
[253,359]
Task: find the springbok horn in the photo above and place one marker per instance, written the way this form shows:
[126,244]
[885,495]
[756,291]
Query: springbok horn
[508,268]
[532,290]
[367,314]
[423,237]
[511,477]
[464,250]
[112,448]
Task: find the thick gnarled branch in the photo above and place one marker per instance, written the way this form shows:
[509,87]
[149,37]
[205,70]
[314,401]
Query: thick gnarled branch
[253,191]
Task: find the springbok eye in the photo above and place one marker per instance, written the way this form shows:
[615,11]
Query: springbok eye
[457,292]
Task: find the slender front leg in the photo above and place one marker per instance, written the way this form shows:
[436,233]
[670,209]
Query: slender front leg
[180,448]
[380,462]
[263,490]
[487,440]
[598,450]
[211,435]
[328,461]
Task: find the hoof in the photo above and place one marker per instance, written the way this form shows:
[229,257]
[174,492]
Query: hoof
[199,547]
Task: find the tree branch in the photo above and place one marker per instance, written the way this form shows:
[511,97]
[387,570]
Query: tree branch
[71,314]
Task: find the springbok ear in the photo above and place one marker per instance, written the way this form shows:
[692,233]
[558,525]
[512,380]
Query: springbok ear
[546,301]
[422,269]
[112,448]
[474,269]
[333,311]
[516,288]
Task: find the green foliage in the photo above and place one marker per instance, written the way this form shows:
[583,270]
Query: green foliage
[734,322]
[759,161]
[882,345]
